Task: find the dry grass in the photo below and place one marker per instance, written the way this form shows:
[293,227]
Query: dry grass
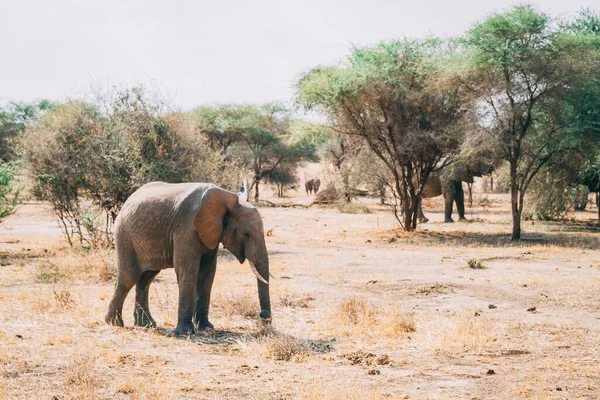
[294,300]
[80,381]
[456,333]
[67,264]
[358,319]
[274,345]
[411,332]
[351,393]
[232,305]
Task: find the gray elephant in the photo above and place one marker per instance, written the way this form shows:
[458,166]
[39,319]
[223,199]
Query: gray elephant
[448,182]
[309,186]
[316,185]
[180,226]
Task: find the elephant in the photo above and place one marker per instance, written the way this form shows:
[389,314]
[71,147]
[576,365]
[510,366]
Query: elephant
[166,225]
[316,185]
[309,185]
[448,182]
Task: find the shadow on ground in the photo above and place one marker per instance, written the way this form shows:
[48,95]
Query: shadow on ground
[567,237]
[227,337]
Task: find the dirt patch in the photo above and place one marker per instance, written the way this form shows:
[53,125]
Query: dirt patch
[365,358]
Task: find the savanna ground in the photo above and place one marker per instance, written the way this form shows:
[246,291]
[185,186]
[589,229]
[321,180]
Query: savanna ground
[360,311]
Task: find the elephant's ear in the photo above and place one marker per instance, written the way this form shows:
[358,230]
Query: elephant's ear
[216,203]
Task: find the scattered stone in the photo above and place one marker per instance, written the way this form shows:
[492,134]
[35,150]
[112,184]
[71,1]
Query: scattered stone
[558,389]
[391,240]
[492,306]
[19,336]
[368,241]
[532,309]
[374,372]
[477,314]
[490,372]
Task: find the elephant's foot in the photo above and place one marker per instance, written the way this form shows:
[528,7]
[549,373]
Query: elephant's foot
[143,318]
[202,324]
[423,220]
[205,325]
[448,220]
[265,315]
[184,328]
[463,219]
[113,317]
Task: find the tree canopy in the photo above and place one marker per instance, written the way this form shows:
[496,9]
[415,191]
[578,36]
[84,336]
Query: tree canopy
[400,100]
[522,68]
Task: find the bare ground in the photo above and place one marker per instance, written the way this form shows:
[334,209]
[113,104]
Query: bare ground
[360,311]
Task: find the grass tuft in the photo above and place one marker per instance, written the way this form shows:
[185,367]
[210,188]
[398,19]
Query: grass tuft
[475,263]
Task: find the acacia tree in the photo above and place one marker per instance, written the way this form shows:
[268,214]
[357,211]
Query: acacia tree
[254,137]
[583,105]
[397,98]
[222,126]
[521,69]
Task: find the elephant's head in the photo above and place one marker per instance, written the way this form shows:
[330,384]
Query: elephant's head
[480,168]
[229,219]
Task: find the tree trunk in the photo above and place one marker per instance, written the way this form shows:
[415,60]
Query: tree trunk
[407,215]
[256,190]
[470,186]
[514,201]
[491,184]
[598,205]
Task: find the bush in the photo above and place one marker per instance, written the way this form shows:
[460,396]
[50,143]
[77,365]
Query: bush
[475,263]
[10,190]
[104,151]
[551,197]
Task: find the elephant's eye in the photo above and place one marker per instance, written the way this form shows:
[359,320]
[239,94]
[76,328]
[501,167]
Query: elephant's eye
[247,235]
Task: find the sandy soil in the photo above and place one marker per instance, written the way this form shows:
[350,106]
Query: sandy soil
[359,311]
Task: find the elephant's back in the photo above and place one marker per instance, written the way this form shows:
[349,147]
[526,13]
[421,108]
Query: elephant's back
[156,204]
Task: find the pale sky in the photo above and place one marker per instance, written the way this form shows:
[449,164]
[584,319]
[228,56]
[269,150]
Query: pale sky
[208,52]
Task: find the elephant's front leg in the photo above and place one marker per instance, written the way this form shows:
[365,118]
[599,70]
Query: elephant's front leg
[460,201]
[206,277]
[187,277]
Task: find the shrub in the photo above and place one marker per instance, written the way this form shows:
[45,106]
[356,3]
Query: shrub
[475,263]
[10,190]
[104,151]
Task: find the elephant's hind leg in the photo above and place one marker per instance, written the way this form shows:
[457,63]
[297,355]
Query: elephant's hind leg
[128,274]
[422,218]
[141,313]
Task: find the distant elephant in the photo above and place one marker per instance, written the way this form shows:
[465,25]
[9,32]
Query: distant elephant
[180,226]
[316,185]
[309,185]
[448,182]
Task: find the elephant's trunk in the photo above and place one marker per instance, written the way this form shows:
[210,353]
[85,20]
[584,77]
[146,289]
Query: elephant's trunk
[261,270]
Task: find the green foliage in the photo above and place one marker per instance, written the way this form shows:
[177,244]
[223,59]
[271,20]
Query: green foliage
[258,138]
[522,68]
[78,152]
[48,272]
[313,133]
[402,101]
[13,120]
[10,189]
